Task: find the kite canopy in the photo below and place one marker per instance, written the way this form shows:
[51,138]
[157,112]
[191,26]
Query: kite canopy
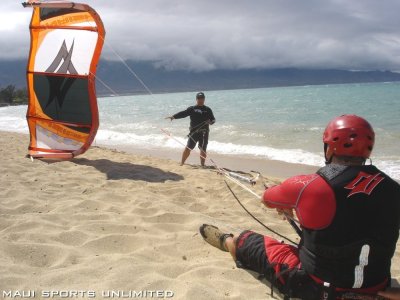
[66,42]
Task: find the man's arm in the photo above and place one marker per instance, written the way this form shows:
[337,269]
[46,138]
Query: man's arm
[309,195]
[212,118]
[183,114]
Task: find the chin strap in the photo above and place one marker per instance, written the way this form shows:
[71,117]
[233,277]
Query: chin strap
[327,161]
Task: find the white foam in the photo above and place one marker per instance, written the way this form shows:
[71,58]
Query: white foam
[110,137]
[298,156]
[316,129]
[288,155]
[129,127]
[390,167]
[13,119]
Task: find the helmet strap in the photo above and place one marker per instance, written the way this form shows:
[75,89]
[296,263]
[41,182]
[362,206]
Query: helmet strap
[327,161]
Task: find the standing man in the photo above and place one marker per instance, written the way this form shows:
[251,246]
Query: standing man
[349,213]
[201,117]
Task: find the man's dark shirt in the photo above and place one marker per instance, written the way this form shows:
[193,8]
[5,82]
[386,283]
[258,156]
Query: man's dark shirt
[198,115]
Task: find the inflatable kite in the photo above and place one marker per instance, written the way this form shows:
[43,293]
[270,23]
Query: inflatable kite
[66,42]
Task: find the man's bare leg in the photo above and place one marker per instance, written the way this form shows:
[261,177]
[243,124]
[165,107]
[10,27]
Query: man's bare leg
[230,244]
[185,155]
[203,156]
[390,293]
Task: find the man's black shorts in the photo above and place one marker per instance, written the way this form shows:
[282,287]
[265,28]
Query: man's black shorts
[277,261]
[250,252]
[280,263]
[200,137]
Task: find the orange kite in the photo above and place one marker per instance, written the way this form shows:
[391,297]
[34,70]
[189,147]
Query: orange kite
[66,42]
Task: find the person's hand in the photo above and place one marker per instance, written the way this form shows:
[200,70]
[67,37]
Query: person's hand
[285,213]
[171,118]
[268,185]
[265,203]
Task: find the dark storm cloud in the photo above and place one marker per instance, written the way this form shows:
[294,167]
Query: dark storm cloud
[204,35]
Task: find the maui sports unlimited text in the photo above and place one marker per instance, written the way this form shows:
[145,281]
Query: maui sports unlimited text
[71,294]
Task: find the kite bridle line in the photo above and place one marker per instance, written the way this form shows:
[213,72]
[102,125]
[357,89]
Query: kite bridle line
[255,218]
[104,84]
[291,220]
[198,127]
[220,170]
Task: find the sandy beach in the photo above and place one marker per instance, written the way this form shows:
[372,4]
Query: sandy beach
[116,221]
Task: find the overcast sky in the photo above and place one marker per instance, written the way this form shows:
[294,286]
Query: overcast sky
[209,34]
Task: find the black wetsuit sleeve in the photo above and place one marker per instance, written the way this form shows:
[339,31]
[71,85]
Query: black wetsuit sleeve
[212,118]
[184,113]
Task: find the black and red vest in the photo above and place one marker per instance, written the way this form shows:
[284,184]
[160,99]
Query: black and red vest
[356,249]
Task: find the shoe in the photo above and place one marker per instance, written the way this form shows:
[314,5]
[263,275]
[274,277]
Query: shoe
[214,236]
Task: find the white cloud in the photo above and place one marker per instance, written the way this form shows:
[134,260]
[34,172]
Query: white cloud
[203,35]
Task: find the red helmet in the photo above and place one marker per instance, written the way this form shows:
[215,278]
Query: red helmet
[348,135]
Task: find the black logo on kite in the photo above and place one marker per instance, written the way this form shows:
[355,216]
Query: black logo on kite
[58,85]
[67,65]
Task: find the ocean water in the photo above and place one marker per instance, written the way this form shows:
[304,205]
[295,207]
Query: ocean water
[282,123]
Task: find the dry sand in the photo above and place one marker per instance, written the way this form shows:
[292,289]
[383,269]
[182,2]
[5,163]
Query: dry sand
[110,220]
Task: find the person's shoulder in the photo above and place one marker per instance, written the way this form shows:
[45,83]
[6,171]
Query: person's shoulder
[294,186]
[316,201]
[300,179]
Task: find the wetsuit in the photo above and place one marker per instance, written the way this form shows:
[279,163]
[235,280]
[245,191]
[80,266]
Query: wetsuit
[199,127]
[350,219]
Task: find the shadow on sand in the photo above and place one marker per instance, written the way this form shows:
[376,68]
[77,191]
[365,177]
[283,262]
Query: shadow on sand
[120,170]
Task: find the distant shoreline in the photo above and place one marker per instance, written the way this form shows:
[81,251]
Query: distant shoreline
[160,80]
[141,93]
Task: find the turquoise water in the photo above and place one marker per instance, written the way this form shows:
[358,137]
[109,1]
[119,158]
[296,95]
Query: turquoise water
[284,123]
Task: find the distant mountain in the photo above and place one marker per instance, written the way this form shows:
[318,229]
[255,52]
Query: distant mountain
[13,72]
[118,77]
